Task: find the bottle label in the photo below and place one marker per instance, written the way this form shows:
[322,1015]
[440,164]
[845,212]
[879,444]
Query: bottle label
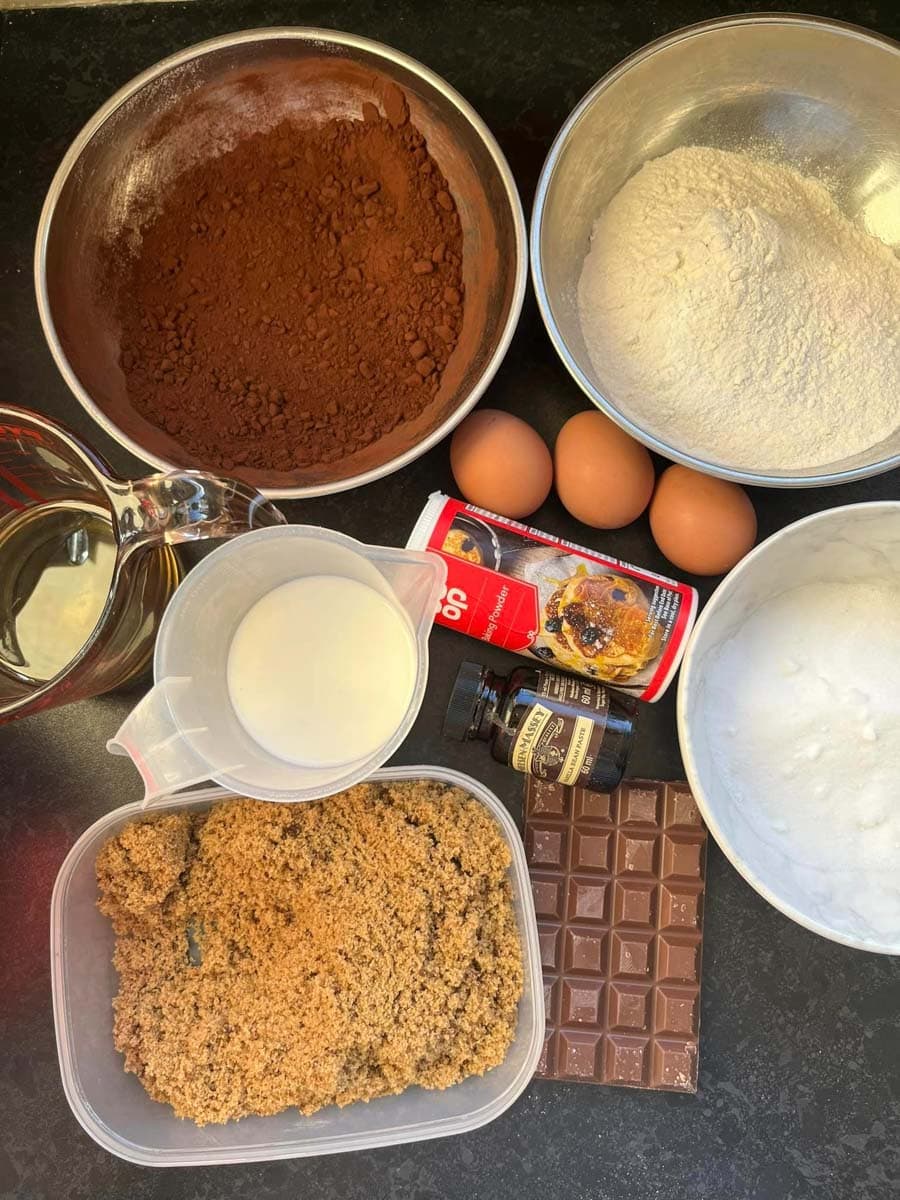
[549,599]
[561,747]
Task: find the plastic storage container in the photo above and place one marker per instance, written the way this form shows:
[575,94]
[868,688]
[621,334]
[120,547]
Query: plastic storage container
[119,1115]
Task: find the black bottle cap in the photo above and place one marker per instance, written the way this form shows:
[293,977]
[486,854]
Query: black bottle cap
[464,701]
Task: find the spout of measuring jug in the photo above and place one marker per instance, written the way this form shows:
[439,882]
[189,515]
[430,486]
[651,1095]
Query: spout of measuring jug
[417,579]
[168,757]
[187,506]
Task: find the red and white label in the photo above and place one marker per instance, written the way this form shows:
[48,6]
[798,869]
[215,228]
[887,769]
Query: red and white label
[489,606]
[506,583]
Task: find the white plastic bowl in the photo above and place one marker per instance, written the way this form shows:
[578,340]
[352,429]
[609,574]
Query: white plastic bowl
[113,1107]
[868,538]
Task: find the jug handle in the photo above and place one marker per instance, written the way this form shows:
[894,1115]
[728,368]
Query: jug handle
[186,506]
[163,753]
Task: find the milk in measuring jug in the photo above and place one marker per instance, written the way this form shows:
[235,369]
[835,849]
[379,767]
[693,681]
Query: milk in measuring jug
[321,670]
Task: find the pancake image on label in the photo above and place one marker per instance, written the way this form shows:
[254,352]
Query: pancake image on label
[462,545]
[601,625]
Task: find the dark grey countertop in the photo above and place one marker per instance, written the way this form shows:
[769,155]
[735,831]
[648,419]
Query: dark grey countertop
[800,1050]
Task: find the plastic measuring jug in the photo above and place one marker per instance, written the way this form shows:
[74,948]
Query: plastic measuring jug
[185,730]
[86,565]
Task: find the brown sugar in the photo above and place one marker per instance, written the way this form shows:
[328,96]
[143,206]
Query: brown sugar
[272,955]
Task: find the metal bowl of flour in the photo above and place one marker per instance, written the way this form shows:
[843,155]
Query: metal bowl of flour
[812,94]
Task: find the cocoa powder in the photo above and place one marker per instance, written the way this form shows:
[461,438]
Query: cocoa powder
[296,298]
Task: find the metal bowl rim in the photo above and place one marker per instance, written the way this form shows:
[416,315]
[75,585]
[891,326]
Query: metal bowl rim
[751,478]
[304,33]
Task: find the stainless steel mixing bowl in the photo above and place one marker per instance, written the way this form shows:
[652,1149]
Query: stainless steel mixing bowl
[186,108]
[818,95]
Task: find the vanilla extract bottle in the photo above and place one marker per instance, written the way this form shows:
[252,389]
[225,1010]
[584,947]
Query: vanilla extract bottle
[559,728]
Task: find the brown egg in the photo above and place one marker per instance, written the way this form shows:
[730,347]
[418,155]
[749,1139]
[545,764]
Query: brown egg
[500,463]
[603,476]
[701,524]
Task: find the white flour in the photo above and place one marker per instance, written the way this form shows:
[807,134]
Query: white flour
[728,303]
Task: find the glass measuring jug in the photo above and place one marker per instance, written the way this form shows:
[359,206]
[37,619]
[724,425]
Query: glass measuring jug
[186,729]
[86,564]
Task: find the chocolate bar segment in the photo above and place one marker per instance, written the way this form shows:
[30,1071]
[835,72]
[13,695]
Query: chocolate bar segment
[618,883]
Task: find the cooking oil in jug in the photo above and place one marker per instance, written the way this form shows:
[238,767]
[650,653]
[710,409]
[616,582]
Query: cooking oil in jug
[59,560]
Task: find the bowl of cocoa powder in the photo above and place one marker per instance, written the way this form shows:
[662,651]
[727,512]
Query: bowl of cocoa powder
[291,255]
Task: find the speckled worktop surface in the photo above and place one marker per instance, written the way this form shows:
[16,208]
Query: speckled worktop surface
[800,1050]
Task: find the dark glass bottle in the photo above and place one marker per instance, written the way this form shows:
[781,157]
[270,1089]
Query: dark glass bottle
[561,728]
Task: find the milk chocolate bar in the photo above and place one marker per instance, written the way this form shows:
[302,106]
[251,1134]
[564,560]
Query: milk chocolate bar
[618,885]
